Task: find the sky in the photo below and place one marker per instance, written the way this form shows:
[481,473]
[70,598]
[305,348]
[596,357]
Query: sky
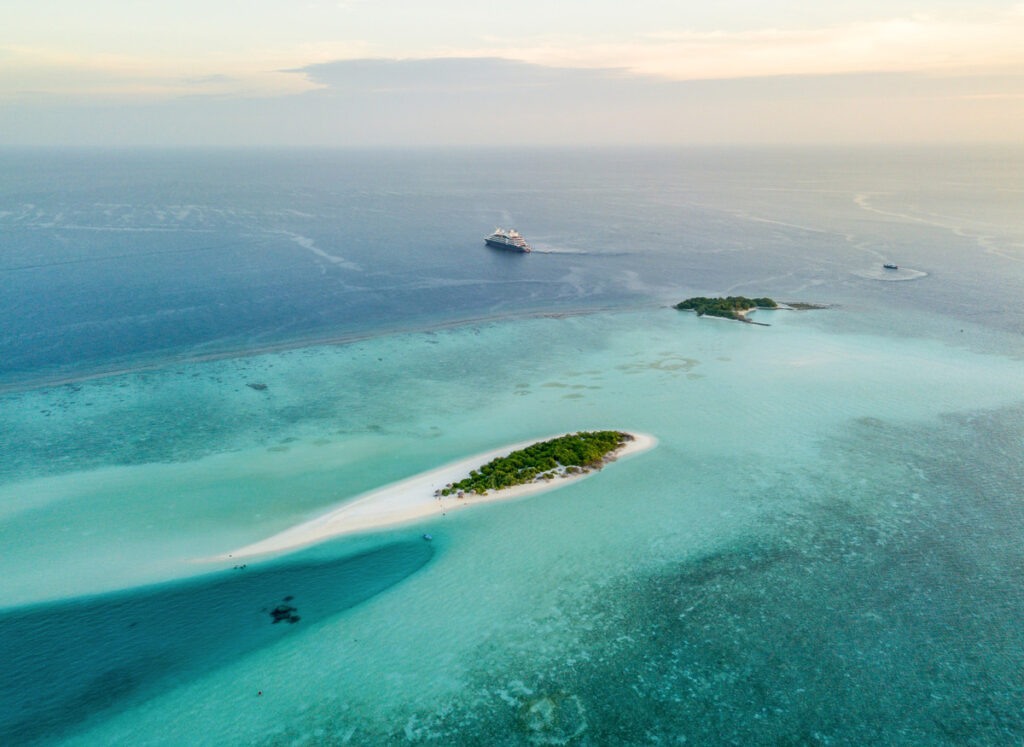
[454,72]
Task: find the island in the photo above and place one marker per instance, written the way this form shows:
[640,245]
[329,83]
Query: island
[804,306]
[730,307]
[571,454]
[510,472]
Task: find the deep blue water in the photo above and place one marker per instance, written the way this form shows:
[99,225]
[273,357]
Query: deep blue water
[111,259]
[78,659]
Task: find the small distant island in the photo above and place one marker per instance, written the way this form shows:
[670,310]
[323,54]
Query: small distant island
[571,454]
[804,306]
[730,307]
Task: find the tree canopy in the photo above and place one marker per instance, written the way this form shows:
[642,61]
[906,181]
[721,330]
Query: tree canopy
[725,307]
[544,459]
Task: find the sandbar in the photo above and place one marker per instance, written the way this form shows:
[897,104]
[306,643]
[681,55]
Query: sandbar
[414,499]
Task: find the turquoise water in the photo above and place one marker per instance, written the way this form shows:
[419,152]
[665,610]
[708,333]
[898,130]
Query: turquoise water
[816,496]
[824,548]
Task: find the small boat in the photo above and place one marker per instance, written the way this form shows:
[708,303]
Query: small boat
[427,537]
[890,266]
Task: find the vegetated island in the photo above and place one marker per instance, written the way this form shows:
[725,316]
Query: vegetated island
[730,307]
[804,306]
[571,454]
[510,472]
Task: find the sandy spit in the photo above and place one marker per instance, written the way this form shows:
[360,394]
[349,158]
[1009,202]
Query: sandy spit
[413,499]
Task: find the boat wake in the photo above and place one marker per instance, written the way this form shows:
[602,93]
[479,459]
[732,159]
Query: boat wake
[902,274]
[540,249]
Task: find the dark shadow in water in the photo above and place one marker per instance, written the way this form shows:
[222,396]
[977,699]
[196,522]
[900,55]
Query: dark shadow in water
[67,661]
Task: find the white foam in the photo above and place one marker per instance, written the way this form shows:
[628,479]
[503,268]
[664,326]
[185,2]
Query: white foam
[904,273]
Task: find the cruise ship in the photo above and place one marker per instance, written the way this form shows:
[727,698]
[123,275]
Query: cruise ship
[510,240]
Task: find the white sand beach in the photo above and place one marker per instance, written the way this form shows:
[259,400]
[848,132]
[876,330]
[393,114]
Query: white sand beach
[414,498]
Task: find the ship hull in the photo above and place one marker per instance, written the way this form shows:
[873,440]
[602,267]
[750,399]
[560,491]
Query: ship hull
[507,247]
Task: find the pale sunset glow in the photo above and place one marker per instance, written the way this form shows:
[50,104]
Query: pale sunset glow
[62,62]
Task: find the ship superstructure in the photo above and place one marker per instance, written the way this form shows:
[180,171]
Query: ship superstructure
[510,240]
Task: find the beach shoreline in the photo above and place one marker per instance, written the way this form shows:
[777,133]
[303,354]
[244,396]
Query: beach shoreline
[415,498]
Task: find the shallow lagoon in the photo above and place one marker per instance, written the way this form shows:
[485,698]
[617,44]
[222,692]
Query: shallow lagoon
[817,496]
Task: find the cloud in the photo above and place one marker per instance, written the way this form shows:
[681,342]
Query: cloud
[978,39]
[203,80]
[66,74]
[510,83]
[917,43]
[489,101]
[448,75]
[66,77]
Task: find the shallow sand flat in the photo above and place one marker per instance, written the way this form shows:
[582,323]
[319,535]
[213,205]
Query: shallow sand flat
[413,498]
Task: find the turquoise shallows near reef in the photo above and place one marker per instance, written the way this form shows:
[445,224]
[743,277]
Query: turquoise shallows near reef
[837,422]
[422,497]
[826,541]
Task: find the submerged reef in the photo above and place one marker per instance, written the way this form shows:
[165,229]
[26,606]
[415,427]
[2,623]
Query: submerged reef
[855,614]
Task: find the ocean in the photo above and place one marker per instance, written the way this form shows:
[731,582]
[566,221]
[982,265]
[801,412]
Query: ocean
[202,348]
